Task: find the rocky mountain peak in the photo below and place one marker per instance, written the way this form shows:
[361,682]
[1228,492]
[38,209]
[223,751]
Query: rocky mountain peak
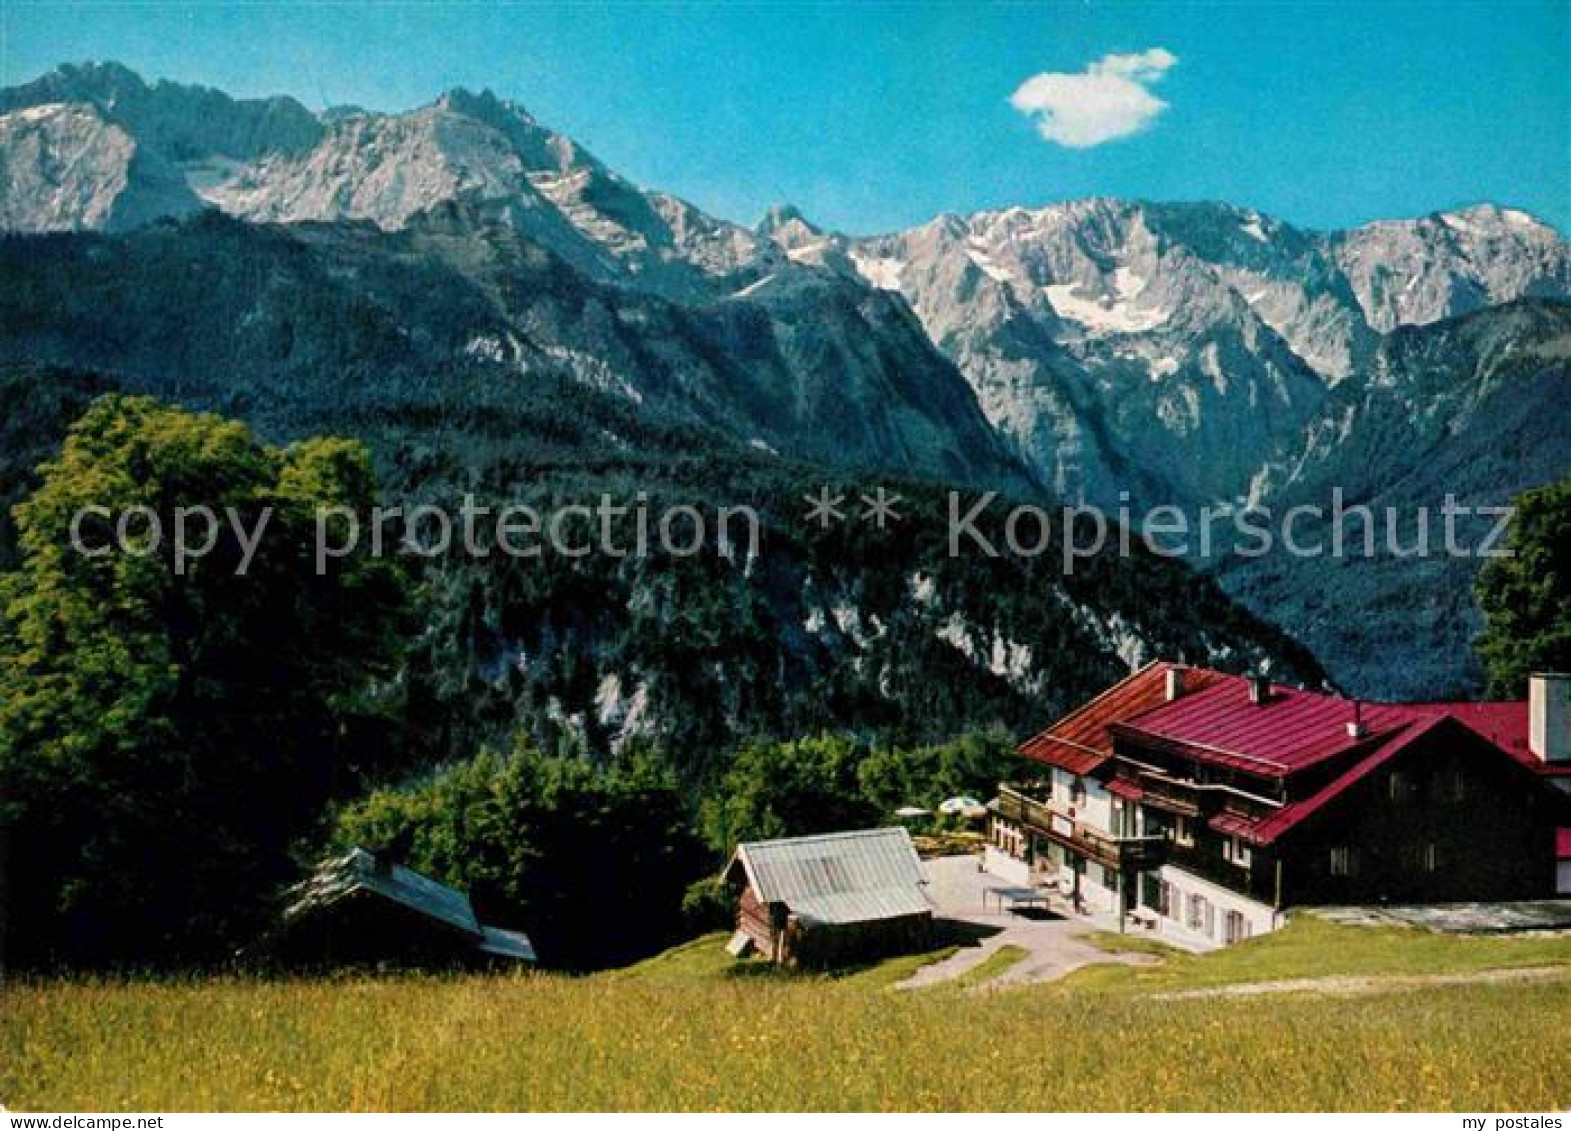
[1413,272]
[487,107]
[67,166]
[788,229]
[102,83]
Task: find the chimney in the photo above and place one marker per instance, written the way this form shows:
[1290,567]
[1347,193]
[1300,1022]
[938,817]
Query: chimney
[1355,726]
[1175,682]
[1259,689]
[1549,716]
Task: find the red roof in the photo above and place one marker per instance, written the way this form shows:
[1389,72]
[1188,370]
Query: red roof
[1080,742]
[1503,724]
[1233,824]
[1128,790]
[1290,731]
[1563,844]
[1294,729]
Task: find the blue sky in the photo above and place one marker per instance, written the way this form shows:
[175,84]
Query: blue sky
[877,116]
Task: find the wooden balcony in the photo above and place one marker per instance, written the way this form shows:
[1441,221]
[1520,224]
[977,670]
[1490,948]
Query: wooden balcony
[1132,853]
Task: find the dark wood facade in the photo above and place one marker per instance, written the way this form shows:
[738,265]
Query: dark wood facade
[1442,822]
[1448,818]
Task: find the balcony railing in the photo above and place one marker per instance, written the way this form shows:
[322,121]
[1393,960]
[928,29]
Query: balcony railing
[1135,852]
[1169,796]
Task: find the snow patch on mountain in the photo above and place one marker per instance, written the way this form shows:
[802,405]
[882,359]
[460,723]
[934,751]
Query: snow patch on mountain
[1116,311]
[882,272]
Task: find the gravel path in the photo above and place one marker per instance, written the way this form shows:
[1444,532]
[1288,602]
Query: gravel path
[1370,983]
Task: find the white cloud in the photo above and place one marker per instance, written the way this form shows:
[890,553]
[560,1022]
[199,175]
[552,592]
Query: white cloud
[1110,99]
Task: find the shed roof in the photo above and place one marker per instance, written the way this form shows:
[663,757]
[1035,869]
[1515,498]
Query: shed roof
[838,878]
[359,873]
[359,870]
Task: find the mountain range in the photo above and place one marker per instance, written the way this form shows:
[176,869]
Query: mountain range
[1113,351]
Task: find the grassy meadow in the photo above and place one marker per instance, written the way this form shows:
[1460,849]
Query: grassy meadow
[692,1030]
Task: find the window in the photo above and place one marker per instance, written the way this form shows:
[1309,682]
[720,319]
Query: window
[1183,831]
[1420,857]
[1399,786]
[1151,894]
[1235,851]
[1008,839]
[1202,916]
[1235,928]
[1341,860]
[1077,793]
[1453,785]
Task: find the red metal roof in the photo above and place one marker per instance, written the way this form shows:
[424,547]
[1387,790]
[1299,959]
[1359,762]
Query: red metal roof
[1128,790]
[1080,742]
[1214,721]
[1271,826]
[1233,824]
[1290,731]
[1503,724]
[1294,729]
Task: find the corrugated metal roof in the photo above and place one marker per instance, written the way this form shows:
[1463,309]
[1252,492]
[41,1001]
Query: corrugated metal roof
[1128,790]
[1291,730]
[835,878]
[1080,742]
[359,870]
[507,944]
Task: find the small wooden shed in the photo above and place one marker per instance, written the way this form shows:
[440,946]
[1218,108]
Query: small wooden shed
[830,900]
[360,907]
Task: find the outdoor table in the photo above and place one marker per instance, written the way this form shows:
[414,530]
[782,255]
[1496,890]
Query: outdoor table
[1015,897]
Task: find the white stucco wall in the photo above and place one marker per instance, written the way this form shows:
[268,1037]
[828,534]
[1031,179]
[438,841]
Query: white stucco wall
[999,863]
[1261,917]
[1097,808]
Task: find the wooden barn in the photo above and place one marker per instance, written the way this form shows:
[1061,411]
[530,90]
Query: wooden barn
[830,900]
[360,907]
